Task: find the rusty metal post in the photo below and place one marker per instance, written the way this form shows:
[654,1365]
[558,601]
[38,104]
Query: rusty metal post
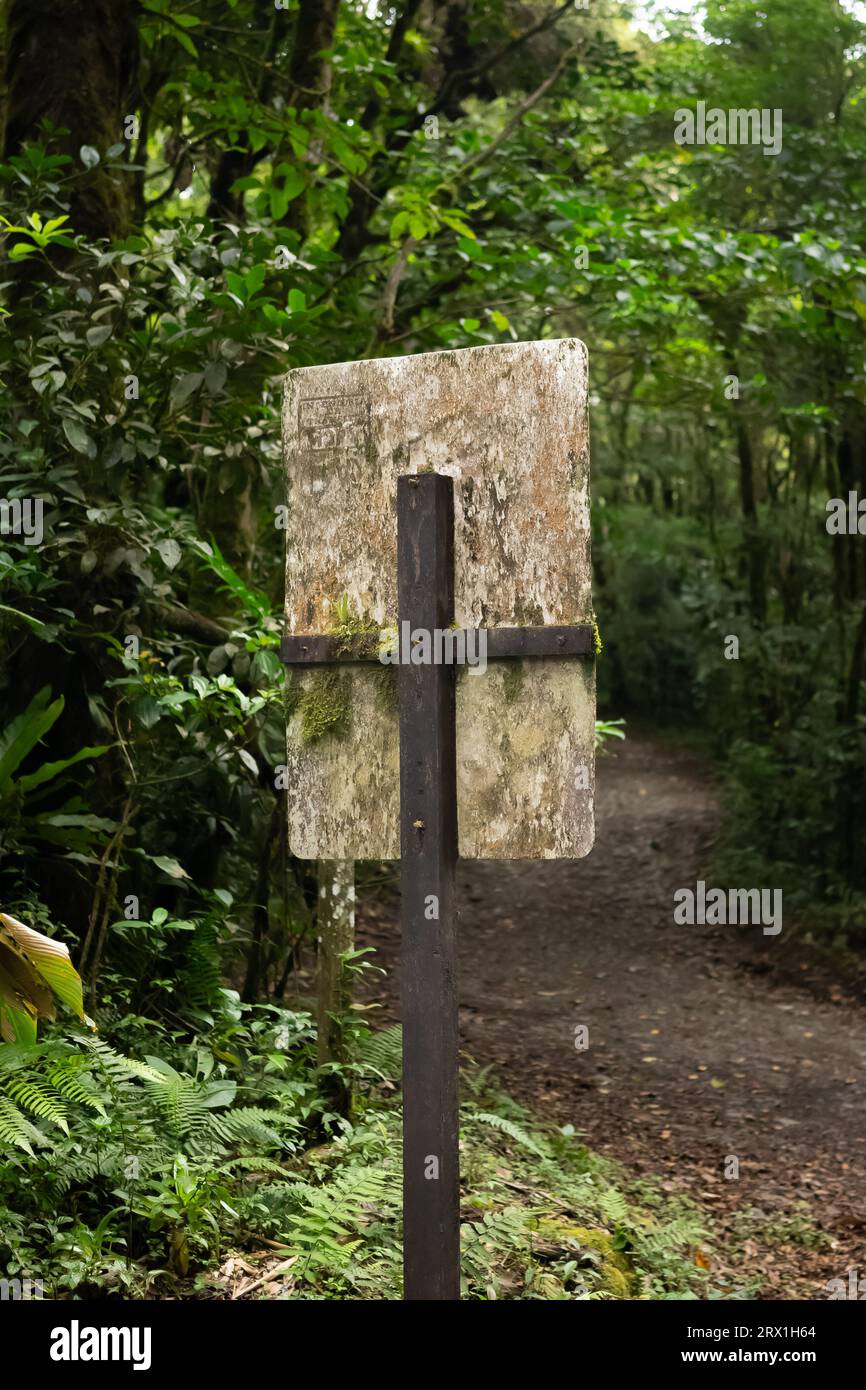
[428,847]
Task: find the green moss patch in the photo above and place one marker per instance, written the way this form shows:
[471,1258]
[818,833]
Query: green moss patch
[325,705]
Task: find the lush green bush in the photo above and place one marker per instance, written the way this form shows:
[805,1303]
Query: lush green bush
[126,1177]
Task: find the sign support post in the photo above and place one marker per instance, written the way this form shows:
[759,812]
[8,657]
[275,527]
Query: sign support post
[481,457]
[428,859]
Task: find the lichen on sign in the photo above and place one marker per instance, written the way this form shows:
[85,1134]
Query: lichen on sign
[509,424]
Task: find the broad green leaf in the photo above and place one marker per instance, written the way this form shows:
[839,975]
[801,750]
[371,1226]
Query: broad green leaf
[28,730]
[77,436]
[185,386]
[17,1026]
[99,334]
[170,552]
[278,204]
[168,865]
[185,42]
[294,184]
[254,279]
[50,770]
[35,623]
[49,960]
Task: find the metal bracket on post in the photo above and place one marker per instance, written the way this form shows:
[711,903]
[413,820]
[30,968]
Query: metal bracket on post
[502,644]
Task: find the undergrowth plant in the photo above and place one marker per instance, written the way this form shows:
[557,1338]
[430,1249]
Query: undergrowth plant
[125,1175]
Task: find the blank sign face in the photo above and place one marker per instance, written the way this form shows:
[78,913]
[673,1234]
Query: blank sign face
[509,424]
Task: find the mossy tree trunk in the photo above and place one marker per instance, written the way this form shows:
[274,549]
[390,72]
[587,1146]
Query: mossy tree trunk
[74,65]
[336,931]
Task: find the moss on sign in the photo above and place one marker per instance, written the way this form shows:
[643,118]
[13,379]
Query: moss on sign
[325,706]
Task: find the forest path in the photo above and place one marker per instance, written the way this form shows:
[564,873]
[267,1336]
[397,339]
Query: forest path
[704,1041]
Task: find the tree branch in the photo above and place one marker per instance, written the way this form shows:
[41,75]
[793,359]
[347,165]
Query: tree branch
[385,323]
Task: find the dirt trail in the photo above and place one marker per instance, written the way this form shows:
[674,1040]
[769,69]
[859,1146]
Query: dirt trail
[704,1042]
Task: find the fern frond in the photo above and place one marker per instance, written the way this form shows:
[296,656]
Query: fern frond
[611,1206]
[327,1223]
[16,1129]
[181,1103]
[513,1131]
[66,1077]
[670,1236]
[201,978]
[79,1170]
[251,1125]
[382,1053]
[252,1163]
[41,1098]
[117,1066]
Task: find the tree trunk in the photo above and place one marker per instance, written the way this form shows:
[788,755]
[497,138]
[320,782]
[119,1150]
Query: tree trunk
[75,66]
[310,80]
[238,163]
[336,923]
[457,83]
[851,798]
[755,550]
[254,980]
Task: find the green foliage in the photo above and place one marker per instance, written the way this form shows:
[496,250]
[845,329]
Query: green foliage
[514,1131]
[146,1152]
[543,1218]
[142,382]
[606,729]
[33,970]
[327,1225]
[166,1165]
[423,193]
[380,1054]
[24,818]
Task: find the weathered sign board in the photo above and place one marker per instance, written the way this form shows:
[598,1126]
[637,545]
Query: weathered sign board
[438,500]
[509,425]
